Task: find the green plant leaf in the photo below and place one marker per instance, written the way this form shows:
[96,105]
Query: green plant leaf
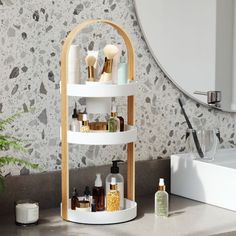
[7,160]
[7,142]
[9,120]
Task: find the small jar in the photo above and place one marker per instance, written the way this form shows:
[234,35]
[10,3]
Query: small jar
[26,212]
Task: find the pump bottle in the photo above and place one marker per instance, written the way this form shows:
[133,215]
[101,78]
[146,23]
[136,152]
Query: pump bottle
[119,181]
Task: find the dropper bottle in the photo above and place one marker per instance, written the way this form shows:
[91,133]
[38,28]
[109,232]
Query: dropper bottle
[85,124]
[113,122]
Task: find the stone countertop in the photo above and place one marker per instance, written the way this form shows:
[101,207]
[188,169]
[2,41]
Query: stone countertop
[187,217]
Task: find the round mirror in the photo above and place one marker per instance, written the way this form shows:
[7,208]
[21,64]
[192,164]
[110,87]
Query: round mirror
[193,41]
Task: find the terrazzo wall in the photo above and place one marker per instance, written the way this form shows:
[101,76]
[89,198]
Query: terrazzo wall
[31,36]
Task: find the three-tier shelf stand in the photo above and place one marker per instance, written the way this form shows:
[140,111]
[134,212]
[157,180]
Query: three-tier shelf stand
[129,136]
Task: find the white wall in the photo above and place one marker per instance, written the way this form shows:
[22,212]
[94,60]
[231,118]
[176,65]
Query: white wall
[224,53]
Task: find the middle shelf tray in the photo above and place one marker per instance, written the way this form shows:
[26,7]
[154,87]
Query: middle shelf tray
[103,138]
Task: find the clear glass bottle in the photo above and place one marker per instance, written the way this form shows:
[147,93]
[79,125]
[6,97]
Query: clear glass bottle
[161,200]
[85,124]
[113,197]
[119,181]
[113,122]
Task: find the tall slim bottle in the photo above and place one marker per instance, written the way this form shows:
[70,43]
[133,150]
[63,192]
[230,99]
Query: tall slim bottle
[99,194]
[161,200]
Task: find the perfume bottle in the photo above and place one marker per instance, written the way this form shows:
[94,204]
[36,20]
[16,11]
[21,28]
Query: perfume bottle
[161,200]
[113,122]
[113,197]
[98,194]
[85,124]
[74,199]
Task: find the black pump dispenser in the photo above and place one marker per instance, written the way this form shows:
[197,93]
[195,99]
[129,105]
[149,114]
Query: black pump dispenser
[115,168]
[74,115]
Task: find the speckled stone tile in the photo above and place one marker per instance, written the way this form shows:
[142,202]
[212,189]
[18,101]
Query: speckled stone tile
[31,37]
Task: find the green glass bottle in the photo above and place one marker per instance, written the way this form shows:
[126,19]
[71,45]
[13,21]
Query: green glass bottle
[161,200]
[113,122]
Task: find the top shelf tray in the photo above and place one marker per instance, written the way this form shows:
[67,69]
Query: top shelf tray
[101,90]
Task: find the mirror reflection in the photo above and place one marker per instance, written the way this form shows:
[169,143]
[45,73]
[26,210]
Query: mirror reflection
[194,43]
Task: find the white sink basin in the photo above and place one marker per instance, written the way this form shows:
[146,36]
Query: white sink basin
[210,182]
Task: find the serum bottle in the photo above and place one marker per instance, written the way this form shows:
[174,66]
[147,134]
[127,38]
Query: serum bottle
[161,200]
[99,194]
[113,122]
[85,124]
[113,197]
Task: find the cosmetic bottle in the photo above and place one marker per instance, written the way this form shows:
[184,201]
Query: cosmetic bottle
[74,199]
[98,194]
[113,197]
[87,194]
[93,206]
[115,65]
[74,126]
[122,123]
[122,71]
[85,124]
[161,200]
[74,72]
[113,122]
[119,181]
[80,118]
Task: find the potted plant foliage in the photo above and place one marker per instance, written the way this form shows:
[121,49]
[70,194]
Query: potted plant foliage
[9,142]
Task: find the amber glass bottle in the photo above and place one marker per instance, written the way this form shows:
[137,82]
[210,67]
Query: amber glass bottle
[99,194]
[74,199]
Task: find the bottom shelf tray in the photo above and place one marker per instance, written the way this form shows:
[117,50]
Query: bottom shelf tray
[104,217]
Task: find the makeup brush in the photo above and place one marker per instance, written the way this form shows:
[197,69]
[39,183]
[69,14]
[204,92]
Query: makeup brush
[195,138]
[109,51]
[90,61]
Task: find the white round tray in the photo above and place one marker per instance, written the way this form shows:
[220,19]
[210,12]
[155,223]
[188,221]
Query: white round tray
[104,217]
[101,90]
[103,138]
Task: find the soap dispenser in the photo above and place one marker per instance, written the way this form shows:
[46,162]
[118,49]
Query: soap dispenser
[161,200]
[119,181]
